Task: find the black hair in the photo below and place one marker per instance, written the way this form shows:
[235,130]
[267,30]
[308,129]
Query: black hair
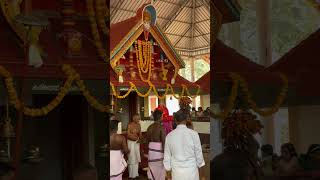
[267,149]
[180,116]
[114,125]
[157,115]
[290,148]
[312,148]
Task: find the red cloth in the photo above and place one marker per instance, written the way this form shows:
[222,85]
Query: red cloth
[165,113]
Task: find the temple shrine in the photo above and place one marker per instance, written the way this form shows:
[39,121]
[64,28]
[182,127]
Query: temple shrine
[54,90]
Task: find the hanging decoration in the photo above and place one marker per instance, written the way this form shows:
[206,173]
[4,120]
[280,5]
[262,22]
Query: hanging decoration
[169,91]
[238,81]
[164,71]
[101,9]
[72,76]
[95,32]
[144,59]
[119,70]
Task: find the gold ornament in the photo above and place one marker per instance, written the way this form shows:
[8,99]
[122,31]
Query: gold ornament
[75,43]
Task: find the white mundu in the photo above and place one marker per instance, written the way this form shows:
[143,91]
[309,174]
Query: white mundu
[183,154]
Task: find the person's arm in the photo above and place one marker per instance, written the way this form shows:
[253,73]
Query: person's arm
[198,151]
[125,146]
[140,133]
[199,156]
[167,159]
[131,136]
[148,135]
[162,136]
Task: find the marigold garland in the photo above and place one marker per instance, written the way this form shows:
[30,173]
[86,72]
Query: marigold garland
[231,100]
[238,81]
[95,33]
[253,105]
[101,9]
[151,87]
[141,62]
[72,76]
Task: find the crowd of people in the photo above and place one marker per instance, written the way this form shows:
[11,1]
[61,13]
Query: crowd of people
[246,165]
[200,112]
[175,155]
[289,163]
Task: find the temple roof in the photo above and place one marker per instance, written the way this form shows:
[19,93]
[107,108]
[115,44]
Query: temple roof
[230,10]
[123,35]
[227,60]
[301,58]
[204,82]
[301,64]
[186,23]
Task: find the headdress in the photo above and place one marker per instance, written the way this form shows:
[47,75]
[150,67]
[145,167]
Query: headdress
[238,127]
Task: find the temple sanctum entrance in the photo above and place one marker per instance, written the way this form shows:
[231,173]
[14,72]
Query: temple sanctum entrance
[62,139]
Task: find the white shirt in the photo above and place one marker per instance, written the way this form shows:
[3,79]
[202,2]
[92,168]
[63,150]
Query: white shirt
[183,149]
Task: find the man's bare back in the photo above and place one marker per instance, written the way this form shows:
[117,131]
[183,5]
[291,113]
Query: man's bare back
[155,133]
[118,142]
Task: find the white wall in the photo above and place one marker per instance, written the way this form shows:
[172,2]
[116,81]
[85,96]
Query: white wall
[304,123]
[205,101]
[215,133]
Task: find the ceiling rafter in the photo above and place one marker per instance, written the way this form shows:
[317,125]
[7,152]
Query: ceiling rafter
[206,4]
[184,35]
[181,20]
[192,24]
[202,34]
[175,14]
[115,10]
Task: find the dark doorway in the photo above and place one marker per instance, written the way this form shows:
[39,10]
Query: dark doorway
[74,120]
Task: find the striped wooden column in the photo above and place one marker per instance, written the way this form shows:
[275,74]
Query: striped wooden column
[67,13]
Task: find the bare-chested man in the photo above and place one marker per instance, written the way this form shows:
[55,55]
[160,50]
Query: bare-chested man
[156,140]
[118,148]
[134,135]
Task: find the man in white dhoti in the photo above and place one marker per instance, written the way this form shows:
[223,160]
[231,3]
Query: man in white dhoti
[134,135]
[183,152]
[156,140]
[118,148]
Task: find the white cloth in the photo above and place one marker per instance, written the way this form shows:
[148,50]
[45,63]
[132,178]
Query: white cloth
[185,173]
[117,164]
[134,154]
[133,158]
[183,153]
[35,59]
[133,170]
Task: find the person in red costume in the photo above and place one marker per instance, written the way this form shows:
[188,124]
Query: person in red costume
[166,118]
